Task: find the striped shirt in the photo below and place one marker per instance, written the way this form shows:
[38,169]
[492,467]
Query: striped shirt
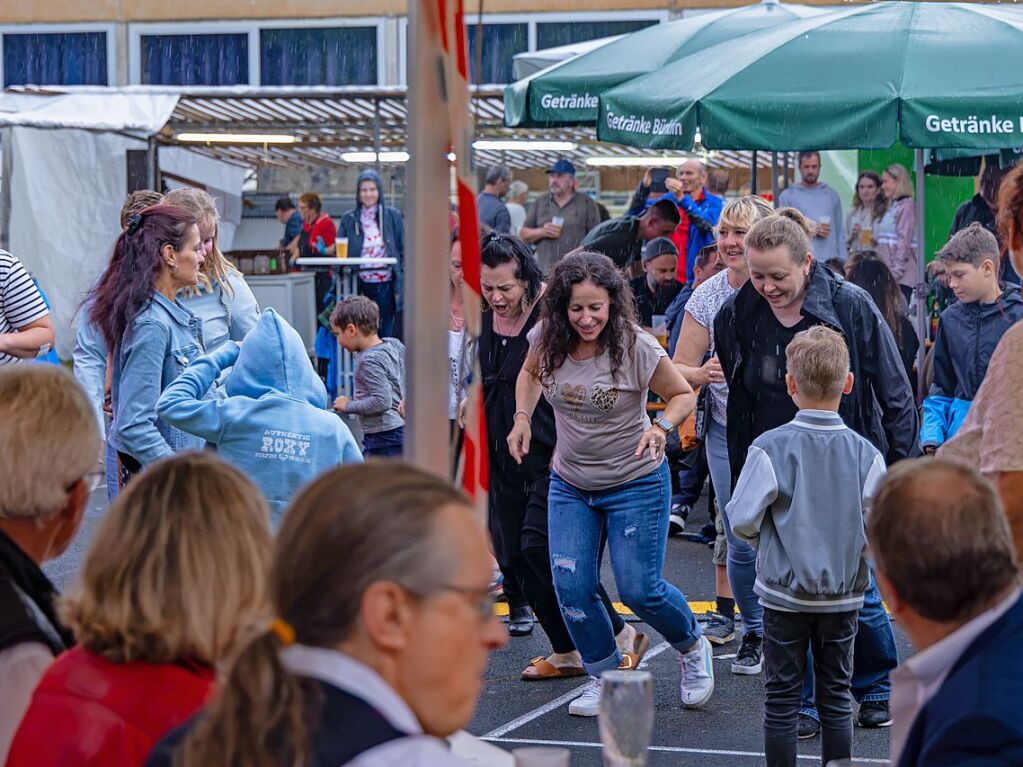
[21,303]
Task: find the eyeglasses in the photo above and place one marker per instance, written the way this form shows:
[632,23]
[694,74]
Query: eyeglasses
[480,598]
[93,481]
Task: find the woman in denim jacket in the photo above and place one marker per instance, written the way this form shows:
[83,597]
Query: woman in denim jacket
[152,337]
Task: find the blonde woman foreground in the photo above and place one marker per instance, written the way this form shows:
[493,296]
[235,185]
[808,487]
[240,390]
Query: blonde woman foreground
[177,565]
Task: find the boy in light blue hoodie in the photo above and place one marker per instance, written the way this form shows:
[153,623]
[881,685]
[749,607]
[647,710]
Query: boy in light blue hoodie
[273,424]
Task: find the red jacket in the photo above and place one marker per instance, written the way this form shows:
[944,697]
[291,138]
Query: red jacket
[90,711]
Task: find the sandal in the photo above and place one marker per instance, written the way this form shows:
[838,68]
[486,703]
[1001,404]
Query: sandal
[630,660]
[540,669]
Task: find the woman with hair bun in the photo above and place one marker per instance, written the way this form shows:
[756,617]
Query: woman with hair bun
[610,481]
[151,336]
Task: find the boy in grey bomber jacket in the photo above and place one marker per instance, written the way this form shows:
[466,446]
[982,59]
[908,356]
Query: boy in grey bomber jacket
[800,500]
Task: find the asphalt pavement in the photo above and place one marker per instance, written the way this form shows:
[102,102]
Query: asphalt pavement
[513,712]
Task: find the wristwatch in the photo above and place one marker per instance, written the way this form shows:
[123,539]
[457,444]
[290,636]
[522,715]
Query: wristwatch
[665,424]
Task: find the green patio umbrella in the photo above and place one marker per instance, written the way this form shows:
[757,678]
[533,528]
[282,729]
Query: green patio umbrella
[933,75]
[566,93]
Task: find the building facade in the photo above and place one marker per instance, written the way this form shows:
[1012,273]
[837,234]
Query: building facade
[288,42]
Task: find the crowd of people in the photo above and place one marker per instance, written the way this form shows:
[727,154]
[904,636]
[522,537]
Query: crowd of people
[214,623]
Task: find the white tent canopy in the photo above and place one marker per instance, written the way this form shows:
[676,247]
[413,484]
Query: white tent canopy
[65,179]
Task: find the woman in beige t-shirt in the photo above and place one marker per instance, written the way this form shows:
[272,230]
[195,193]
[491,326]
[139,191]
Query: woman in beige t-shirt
[610,481]
[991,437]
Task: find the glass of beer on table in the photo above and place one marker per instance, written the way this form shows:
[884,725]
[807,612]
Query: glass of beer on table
[341,247]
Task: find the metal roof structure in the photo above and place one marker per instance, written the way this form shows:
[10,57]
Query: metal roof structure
[329,122]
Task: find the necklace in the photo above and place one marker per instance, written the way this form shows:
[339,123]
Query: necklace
[591,353]
[506,332]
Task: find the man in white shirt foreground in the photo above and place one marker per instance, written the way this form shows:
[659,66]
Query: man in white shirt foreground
[945,563]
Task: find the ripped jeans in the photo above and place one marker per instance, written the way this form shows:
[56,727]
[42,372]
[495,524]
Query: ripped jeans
[632,519]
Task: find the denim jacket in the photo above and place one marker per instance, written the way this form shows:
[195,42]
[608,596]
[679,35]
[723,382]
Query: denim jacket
[161,342]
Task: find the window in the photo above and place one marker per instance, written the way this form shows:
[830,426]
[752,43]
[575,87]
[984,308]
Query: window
[207,59]
[551,35]
[58,58]
[319,56]
[500,44]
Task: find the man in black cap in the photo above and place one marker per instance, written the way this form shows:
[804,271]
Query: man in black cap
[621,239]
[657,287]
[557,222]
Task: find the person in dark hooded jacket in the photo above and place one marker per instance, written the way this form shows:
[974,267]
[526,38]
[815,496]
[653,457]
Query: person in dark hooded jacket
[789,292]
[968,332]
[376,230]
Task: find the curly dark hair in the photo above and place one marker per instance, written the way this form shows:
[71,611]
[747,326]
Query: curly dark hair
[497,249]
[558,339]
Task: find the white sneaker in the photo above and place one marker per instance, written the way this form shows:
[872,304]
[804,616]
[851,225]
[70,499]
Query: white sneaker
[696,667]
[587,704]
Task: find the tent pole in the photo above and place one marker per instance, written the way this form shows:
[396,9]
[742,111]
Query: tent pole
[753,173]
[151,165]
[426,282]
[785,169]
[921,287]
[774,178]
[7,158]
[376,134]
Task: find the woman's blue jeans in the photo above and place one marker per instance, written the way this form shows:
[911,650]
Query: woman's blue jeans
[742,558]
[632,519]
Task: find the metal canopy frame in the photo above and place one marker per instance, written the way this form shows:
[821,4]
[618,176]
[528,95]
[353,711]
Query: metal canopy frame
[328,122]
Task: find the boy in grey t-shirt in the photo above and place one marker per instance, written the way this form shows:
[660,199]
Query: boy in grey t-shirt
[379,376]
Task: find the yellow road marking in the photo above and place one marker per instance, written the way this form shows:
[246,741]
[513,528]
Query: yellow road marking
[501,608]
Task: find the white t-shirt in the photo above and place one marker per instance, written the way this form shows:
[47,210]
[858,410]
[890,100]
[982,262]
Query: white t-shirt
[703,306]
[21,303]
[601,418]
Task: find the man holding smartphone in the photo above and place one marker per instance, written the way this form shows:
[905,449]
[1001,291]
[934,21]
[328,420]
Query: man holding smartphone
[698,208]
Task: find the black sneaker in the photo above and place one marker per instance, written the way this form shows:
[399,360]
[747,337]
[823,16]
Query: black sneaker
[874,713]
[676,524]
[750,659]
[808,727]
[717,628]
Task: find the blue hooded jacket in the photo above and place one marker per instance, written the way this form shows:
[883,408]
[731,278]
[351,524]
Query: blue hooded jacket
[392,229]
[273,424]
[967,337]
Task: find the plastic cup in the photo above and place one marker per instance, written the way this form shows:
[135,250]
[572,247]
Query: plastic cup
[559,222]
[341,247]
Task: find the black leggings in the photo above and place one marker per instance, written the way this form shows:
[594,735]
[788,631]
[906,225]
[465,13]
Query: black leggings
[518,527]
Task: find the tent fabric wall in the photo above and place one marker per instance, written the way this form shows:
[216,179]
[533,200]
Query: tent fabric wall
[67,187]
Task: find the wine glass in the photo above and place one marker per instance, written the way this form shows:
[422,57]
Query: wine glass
[626,717]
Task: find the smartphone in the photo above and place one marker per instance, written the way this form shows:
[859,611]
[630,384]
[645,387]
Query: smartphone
[657,178]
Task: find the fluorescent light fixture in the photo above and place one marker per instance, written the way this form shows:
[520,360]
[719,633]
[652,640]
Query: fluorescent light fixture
[234,138]
[624,161]
[372,157]
[526,146]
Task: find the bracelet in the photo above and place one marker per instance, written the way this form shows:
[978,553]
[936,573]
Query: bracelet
[527,415]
